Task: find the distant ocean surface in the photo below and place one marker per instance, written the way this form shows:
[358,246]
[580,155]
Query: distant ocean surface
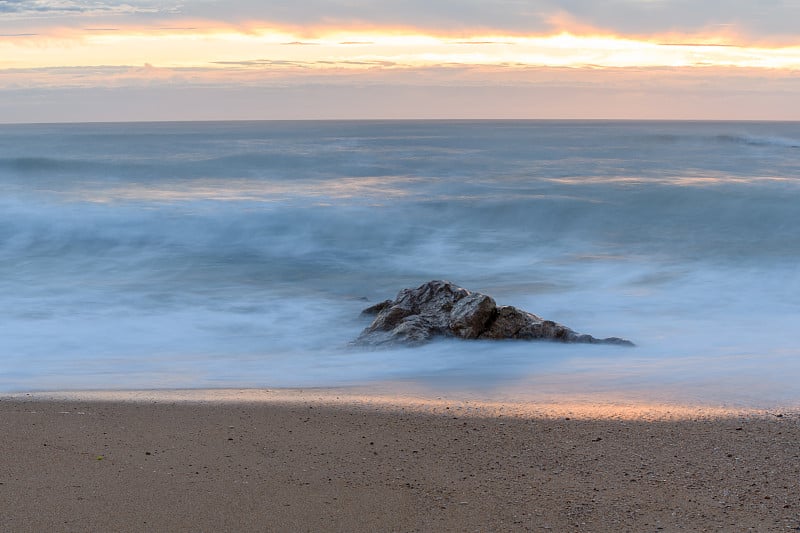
[239,254]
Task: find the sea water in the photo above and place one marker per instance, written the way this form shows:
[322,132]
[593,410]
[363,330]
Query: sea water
[240,254]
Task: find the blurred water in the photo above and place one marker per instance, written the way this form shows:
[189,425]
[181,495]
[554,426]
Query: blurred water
[240,254]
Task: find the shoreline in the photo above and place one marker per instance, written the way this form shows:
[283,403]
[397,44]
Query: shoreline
[392,397]
[326,459]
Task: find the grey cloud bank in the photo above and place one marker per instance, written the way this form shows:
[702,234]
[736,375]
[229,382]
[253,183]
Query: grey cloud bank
[31,16]
[773,20]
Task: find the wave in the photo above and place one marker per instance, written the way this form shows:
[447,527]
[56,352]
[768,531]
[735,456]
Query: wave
[163,255]
[273,165]
[756,140]
[439,235]
[41,164]
[722,139]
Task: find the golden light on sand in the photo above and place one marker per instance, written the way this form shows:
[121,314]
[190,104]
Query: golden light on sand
[231,48]
[389,399]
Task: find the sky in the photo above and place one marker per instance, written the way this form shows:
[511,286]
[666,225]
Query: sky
[103,60]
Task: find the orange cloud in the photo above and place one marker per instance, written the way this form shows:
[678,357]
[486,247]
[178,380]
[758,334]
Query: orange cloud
[196,43]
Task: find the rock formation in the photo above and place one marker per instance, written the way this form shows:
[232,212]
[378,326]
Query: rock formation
[439,308]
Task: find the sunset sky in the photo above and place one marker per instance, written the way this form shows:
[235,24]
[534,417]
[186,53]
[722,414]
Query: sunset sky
[77,60]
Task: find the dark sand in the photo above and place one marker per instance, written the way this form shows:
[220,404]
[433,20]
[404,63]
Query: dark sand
[322,465]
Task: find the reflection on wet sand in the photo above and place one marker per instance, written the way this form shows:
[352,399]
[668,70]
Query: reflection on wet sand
[401,397]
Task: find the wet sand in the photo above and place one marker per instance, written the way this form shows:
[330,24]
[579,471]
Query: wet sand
[326,461]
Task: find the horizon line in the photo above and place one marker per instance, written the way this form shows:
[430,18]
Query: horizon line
[425,119]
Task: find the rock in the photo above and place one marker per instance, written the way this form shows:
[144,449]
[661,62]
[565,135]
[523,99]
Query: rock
[377,308]
[471,315]
[439,308]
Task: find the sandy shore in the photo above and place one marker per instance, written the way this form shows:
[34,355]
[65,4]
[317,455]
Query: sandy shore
[327,461]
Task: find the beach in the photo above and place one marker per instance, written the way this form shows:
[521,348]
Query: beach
[423,266]
[198,287]
[335,460]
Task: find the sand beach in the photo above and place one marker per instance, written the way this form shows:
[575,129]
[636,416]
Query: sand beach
[334,460]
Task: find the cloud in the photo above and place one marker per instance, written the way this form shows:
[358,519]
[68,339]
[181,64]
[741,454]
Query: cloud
[266,73]
[767,20]
[402,58]
[776,19]
[51,7]
[773,21]
[69,18]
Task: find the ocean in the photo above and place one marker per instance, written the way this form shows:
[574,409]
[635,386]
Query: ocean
[240,254]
